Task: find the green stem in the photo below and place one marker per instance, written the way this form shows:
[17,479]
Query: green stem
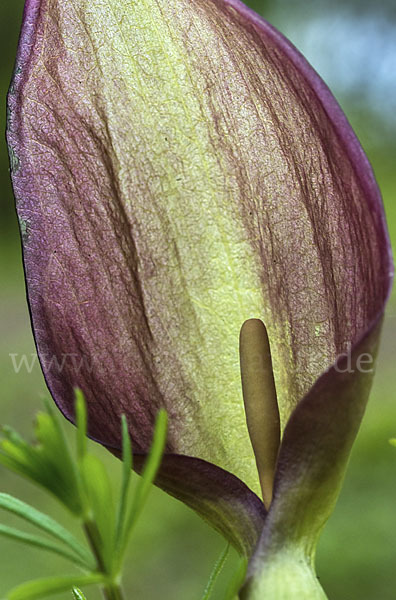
[112,590]
[284,576]
[91,531]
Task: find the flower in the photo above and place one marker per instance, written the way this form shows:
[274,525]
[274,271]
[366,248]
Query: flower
[180,169]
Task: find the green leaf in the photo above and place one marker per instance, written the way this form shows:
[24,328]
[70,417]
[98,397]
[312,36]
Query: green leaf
[50,433]
[44,544]
[41,588]
[153,461]
[392,441]
[55,452]
[81,422]
[126,477]
[236,581]
[47,463]
[78,595]
[149,473]
[98,490]
[216,572]
[22,458]
[46,523]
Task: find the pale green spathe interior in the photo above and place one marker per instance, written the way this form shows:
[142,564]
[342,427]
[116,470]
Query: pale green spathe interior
[214,285]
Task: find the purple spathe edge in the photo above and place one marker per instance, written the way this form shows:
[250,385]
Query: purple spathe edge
[26,41]
[359,160]
[200,485]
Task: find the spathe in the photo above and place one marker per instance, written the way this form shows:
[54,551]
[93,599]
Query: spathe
[179,168]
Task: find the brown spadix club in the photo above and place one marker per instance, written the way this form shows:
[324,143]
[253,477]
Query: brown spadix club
[261,406]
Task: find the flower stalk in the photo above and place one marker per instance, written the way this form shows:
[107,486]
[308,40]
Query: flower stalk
[286,575]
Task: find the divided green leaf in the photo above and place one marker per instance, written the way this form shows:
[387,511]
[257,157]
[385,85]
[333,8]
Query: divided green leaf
[237,580]
[47,524]
[81,423]
[44,544]
[47,463]
[126,478]
[149,473]
[41,588]
[215,573]
[83,486]
[98,489]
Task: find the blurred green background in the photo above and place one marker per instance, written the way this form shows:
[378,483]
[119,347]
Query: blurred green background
[352,43]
